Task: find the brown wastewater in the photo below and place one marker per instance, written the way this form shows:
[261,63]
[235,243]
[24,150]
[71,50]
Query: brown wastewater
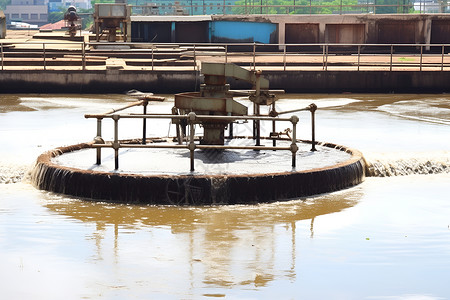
[386,238]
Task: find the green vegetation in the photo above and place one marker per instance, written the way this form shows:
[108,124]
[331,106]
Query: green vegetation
[301,6]
[86,14]
[322,6]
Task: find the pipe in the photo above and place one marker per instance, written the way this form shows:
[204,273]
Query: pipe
[144,123]
[116,144]
[294,147]
[191,146]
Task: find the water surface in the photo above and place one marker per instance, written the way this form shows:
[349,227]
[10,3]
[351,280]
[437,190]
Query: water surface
[387,238]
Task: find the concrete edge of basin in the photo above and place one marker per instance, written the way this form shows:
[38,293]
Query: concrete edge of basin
[194,189]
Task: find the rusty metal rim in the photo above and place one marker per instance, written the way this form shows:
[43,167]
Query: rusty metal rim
[194,189]
[46,157]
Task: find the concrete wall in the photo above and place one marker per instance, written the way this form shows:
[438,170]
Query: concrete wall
[304,29]
[120,81]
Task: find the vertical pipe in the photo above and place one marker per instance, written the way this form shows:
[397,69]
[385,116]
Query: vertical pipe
[294,147]
[43,48]
[195,60]
[226,53]
[231,134]
[326,58]
[359,55]
[323,57]
[442,59]
[99,140]
[144,123]
[313,109]
[254,56]
[390,64]
[258,127]
[191,139]
[257,108]
[152,58]
[2,56]
[284,58]
[421,55]
[83,55]
[116,142]
[274,141]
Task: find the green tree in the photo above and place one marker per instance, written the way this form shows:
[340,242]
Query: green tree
[295,6]
[56,16]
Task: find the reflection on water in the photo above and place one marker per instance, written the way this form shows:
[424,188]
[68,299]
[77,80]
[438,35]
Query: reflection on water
[214,233]
[388,238]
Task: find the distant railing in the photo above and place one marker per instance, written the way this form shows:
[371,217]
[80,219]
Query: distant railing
[286,57]
[210,7]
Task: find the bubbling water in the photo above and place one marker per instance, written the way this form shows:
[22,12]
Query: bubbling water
[386,165]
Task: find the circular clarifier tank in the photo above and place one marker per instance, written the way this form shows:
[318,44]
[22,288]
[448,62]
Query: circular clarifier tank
[232,176]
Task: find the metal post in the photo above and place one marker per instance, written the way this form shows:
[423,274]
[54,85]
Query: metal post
[284,58]
[226,53]
[254,56]
[257,123]
[326,58]
[152,57]
[191,146]
[390,64]
[195,60]
[294,147]
[83,55]
[144,123]
[359,55]
[258,127]
[421,55]
[312,109]
[116,141]
[98,139]
[230,130]
[323,57]
[43,48]
[274,141]
[442,60]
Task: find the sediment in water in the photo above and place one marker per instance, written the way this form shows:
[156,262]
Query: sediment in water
[194,189]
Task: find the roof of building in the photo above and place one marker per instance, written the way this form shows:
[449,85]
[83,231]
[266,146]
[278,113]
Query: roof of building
[57,25]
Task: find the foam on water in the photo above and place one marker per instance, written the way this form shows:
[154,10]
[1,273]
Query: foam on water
[400,164]
[12,173]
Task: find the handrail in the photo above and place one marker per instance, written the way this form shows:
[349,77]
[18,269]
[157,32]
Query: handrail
[219,7]
[191,120]
[357,55]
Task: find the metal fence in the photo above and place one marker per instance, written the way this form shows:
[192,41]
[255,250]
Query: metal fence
[286,57]
[210,7]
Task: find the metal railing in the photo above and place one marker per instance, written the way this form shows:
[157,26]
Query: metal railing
[189,144]
[286,57]
[209,7]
